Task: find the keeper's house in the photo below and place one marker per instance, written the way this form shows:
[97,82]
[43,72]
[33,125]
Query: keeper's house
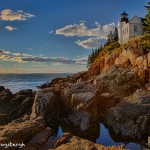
[129,29]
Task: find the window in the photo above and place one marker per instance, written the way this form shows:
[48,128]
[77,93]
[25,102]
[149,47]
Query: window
[135,28]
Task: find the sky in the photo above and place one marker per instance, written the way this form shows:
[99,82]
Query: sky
[56,36]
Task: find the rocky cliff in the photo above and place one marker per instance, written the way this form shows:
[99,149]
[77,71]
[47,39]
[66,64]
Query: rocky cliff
[116,86]
[115,90]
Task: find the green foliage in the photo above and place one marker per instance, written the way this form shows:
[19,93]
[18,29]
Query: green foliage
[111,46]
[95,53]
[134,43]
[112,37]
[146,26]
[111,43]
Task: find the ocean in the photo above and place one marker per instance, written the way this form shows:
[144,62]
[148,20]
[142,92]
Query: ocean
[17,82]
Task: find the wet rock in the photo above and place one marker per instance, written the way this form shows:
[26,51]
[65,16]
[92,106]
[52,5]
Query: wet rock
[44,140]
[131,118]
[5,97]
[20,132]
[45,106]
[2,88]
[67,141]
[39,140]
[15,105]
[18,98]
[7,92]
[27,92]
[5,118]
[80,119]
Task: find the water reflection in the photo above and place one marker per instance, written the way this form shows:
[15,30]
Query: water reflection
[97,133]
[92,133]
[106,139]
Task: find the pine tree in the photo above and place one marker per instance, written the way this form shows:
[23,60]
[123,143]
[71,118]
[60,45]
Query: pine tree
[147,27]
[109,38]
[93,56]
[89,60]
[116,35]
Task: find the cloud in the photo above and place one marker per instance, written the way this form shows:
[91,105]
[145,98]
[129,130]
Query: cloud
[29,48]
[16,54]
[47,59]
[89,43]
[84,58]
[77,30]
[82,21]
[107,28]
[10,28]
[96,34]
[50,32]
[81,60]
[4,52]
[4,57]
[9,15]
[17,59]
[36,65]
[55,61]
[82,30]
[27,55]
[20,58]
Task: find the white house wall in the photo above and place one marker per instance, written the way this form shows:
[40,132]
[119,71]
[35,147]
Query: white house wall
[126,31]
[133,33]
[135,21]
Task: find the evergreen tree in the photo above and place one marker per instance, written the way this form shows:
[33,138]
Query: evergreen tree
[147,27]
[112,37]
[116,34]
[95,53]
[109,38]
[88,61]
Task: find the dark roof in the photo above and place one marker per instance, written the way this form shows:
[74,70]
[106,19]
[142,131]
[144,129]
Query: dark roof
[124,13]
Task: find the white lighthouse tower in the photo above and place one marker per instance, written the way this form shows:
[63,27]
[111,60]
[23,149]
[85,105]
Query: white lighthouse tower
[124,19]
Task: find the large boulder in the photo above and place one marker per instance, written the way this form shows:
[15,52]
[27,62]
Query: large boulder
[44,140]
[20,132]
[131,118]
[142,62]
[2,88]
[110,60]
[13,106]
[5,96]
[122,61]
[39,140]
[46,105]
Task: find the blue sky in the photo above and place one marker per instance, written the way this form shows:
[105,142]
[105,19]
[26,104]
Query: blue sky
[55,36]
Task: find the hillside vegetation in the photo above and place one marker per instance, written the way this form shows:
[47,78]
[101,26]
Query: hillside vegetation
[116,48]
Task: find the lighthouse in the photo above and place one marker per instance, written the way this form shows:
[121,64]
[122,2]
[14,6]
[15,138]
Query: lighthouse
[128,29]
